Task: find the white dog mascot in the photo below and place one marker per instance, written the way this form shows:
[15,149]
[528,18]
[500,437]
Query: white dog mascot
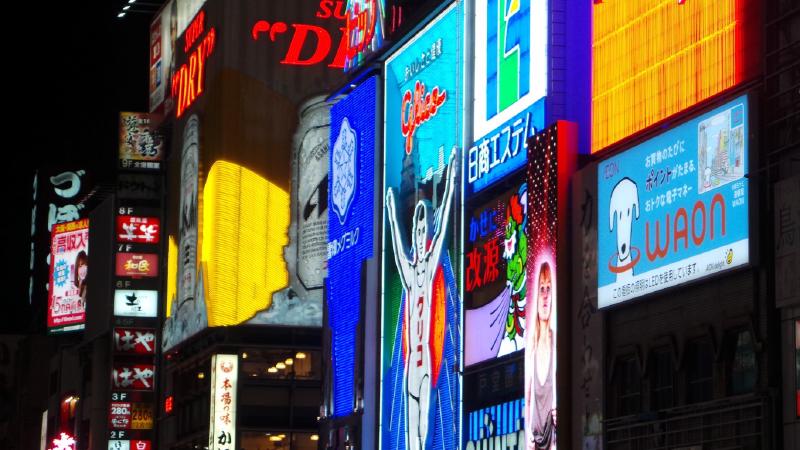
[624,207]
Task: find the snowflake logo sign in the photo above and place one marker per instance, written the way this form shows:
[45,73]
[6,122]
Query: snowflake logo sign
[344,170]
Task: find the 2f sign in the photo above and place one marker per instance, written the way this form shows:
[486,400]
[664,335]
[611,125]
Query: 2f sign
[510,67]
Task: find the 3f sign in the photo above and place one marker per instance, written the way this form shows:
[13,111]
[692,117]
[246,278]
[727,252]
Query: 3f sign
[508,59]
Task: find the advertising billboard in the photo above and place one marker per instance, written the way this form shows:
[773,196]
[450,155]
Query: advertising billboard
[135,303]
[69,253]
[350,237]
[163,33]
[676,205]
[421,305]
[224,385]
[547,175]
[497,424]
[139,146]
[495,274]
[694,51]
[510,83]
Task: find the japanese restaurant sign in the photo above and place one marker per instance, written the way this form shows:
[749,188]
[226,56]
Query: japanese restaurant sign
[222,426]
[137,265]
[134,377]
[141,230]
[141,341]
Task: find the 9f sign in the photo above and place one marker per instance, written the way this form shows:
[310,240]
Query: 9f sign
[188,81]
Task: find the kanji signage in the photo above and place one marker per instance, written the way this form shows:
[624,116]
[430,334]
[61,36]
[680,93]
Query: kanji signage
[222,426]
[135,303]
[134,377]
[137,265]
[68,276]
[141,341]
[139,146]
[140,230]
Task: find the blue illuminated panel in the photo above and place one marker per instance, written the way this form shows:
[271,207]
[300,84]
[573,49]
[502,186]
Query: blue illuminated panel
[351,188]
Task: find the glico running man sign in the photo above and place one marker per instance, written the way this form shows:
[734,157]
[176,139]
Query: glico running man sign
[420,350]
[675,207]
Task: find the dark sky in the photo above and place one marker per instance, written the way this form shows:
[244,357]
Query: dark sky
[70,68]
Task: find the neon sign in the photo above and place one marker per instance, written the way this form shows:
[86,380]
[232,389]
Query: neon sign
[300,33]
[188,80]
[423,107]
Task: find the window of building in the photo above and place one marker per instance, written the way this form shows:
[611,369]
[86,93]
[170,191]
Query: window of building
[743,370]
[283,364]
[699,370]
[629,386]
[662,379]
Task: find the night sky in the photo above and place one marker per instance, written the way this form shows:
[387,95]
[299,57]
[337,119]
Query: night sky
[70,68]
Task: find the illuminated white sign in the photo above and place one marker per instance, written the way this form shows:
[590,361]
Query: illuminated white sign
[135,303]
[222,423]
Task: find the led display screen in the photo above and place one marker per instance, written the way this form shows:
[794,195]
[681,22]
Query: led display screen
[497,424]
[495,274]
[510,82]
[420,350]
[69,253]
[541,315]
[351,188]
[655,58]
[676,206]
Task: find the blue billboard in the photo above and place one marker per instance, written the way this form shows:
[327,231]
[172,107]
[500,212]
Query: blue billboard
[676,206]
[510,84]
[501,425]
[421,307]
[351,187]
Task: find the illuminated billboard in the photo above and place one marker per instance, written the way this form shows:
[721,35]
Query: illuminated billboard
[495,274]
[139,230]
[548,169]
[69,253]
[510,83]
[139,146]
[350,236]
[133,377]
[163,33]
[224,385]
[676,206]
[364,30]
[136,265]
[138,341]
[135,303]
[497,424]
[655,58]
[421,305]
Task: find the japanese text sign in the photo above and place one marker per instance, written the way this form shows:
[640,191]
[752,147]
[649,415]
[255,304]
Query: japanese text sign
[676,206]
[68,275]
[222,426]
[136,265]
[142,230]
[133,377]
[140,341]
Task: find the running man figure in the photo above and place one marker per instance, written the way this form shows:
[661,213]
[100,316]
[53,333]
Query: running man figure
[417,278]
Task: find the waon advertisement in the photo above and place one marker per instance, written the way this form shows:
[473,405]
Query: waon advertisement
[421,307]
[675,207]
[69,253]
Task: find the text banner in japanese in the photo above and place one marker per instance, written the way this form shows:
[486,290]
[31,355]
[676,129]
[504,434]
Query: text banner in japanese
[222,426]
[70,264]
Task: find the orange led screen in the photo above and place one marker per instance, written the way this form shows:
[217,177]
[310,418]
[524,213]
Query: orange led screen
[655,58]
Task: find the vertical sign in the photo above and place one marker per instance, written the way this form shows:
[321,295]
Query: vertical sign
[222,424]
[68,276]
[510,49]
[139,146]
[351,187]
[421,308]
[674,208]
[544,152]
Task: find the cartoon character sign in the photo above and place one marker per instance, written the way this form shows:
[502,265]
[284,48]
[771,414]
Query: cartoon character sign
[420,387]
[676,205]
[495,261]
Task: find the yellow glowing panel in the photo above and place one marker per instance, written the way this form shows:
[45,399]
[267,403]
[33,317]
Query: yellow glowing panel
[654,58]
[172,273]
[245,221]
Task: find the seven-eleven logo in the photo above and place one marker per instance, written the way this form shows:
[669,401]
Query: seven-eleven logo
[508,59]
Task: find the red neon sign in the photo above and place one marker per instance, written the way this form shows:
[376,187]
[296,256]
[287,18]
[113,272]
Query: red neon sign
[417,109]
[188,80]
[168,405]
[300,33]
[360,24]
